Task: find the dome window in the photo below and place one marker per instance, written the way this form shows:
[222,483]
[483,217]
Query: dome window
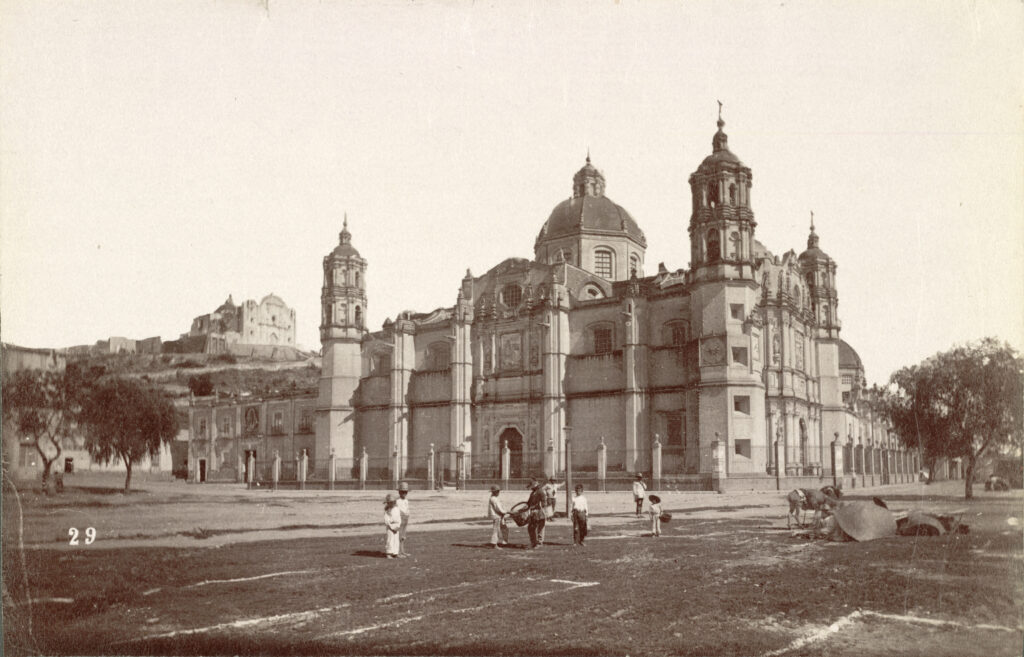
[512,295]
[634,267]
[604,263]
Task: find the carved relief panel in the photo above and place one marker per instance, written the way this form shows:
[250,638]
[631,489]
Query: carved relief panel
[511,351]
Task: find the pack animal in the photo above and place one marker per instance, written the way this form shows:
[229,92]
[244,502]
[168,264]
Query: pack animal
[808,499]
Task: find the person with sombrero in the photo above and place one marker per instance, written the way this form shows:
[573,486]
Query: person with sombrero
[655,512]
[535,504]
[392,522]
[496,512]
[639,488]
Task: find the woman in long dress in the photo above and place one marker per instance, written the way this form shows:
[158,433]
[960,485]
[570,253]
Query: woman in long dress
[392,522]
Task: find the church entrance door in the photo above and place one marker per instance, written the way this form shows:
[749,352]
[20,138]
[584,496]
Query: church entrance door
[514,440]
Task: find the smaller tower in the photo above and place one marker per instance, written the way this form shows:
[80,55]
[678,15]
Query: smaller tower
[342,327]
[722,221]
[819,271]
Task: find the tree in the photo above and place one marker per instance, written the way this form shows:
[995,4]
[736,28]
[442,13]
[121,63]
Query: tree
[201,386]
[41,405]
[126,420]
[960,403]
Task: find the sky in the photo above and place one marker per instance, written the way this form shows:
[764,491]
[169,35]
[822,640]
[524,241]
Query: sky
[157,156]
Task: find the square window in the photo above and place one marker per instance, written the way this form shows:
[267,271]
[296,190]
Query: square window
[202,428]
[741,404]
[736,311]
[225,426]
[743,447]
[739,355]
[602,340]
[278,423]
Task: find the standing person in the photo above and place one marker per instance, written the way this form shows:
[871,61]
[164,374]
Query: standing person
[550,498]
[639,488]
[392,521]
[535,504]
[403,510]
[580,511]
[655,512]
[496,512]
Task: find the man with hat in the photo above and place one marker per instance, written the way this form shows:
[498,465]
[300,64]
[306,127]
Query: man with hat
[551,498]
[496,512]
[403,509]
[535,504]
[639,488]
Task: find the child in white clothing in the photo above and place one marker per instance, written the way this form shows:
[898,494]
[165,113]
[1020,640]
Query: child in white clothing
[655,512]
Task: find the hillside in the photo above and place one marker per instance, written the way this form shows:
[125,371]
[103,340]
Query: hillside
[230,375]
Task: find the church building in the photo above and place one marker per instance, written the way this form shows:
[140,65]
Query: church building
[713,363]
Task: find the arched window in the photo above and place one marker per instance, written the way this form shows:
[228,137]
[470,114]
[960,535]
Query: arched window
[732,194]
[359,317]
[712,194]
[604,265]
[714,246]
[357,278]
[675,334]
[634,266]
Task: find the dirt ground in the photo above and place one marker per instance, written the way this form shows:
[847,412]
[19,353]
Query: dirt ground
[179,570]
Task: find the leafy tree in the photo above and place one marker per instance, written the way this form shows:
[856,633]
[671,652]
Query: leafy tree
[201,386]
[960,403]
[41,405]
[124,419]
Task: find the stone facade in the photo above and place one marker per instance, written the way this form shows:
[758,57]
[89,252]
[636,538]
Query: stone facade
[268,322]
[708,366]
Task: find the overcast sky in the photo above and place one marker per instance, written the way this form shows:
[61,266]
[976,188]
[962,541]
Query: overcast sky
[158,156]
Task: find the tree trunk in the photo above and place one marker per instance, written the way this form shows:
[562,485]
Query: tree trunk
[969,478]
[931,471]
[128,477]
[47,480]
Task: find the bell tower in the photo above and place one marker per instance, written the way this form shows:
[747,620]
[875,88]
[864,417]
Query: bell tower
[722,222]
[342,327]
[819,271]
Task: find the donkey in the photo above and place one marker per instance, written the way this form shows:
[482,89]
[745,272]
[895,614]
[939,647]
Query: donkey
[804,499]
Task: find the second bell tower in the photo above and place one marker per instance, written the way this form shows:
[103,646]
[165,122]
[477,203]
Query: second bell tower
[342,322]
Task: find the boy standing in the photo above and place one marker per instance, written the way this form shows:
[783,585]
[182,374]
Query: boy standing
[496,512]
[403,510]
[655,515]
[638,493]
[580,511]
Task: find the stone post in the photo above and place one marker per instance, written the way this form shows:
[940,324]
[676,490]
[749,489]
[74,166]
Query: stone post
[656,463]
[430,468]
[717,463]
[364,466]
[568,473]
[837,460]
[460,468]
[275,473]
[506,463]
[549,460]
[602,464]
[331,469]
[303,469]
[778,469]
[395,467]
[252,470]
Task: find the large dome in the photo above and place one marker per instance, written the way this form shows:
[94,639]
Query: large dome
[590,211]
[590,214]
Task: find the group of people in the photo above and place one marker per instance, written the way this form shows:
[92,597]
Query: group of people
[540,508]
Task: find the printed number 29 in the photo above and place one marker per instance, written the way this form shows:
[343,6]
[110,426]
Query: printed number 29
[90,535]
